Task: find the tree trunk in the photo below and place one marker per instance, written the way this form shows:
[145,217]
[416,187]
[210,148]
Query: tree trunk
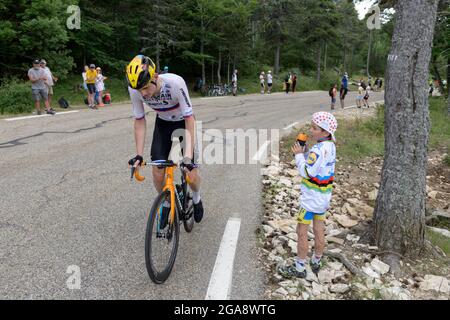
[319,52]
[212,72]
[202,48]
[448,75]
[277,58]
[228,68]
[368,54]
[399,218]
[325,58]
[219,67]
[158,67]
[345,60]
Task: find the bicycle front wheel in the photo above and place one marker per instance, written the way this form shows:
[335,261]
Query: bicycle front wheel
[161,240]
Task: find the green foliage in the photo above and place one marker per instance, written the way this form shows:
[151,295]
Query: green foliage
[15,97]
[439,240]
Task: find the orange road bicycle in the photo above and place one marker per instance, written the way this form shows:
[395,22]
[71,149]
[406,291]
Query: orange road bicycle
[171,207]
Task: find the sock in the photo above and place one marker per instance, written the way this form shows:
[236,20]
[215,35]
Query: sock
[300,264]
[315,258]
[196,197]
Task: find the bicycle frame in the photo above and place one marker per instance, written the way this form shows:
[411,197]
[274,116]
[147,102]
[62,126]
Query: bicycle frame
[169,185]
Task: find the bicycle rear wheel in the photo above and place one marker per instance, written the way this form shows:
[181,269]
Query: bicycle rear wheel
[161,242]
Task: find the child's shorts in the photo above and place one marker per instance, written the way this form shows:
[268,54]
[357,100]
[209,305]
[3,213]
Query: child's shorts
[305,217]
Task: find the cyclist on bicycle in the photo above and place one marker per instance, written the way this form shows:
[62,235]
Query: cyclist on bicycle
[167,94]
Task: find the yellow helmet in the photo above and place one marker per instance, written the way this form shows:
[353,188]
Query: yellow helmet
[140,72]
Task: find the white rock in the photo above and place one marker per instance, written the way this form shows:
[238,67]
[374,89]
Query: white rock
[291,172]
[345,221]
[435,283]
[286,182]
[286,283]
[305,282]
[372,195]
[433,194]
[334,240]
[379,266]
[335,250]
[292,291]
[334,232]
[349,209]
[267,229]
[394,293]
[326,276]
[282,291]
[293,236]
[335,265]
[370,272]
[339,288]
[317,289]
[293,246]
[352,237]
[305,295]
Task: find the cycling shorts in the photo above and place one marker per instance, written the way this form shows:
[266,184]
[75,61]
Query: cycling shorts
[163,134]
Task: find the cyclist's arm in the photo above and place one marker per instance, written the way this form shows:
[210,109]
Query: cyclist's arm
[190,128]
[140,124]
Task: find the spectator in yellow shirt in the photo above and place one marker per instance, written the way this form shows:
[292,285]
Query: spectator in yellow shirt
[91,77]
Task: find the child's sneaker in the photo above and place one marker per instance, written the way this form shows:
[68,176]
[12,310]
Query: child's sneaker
[291,272]
[315,266]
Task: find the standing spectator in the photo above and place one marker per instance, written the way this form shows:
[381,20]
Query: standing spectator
[359,97]
[333,94]
[287,82]
[381,84]
[376,83]
[262,77]
[100,86]
[38,87]
[234,82]
[366,97]
[269,81]
[344,89]
[294,82]
[50,82]
[166,70]
[91,78]
[83,75]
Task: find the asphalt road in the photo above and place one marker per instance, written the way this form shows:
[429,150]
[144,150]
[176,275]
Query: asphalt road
[66,199]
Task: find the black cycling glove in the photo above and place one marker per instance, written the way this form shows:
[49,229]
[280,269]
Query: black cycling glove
[139,158]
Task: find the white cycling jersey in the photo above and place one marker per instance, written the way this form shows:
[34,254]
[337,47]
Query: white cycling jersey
[317,171]
[171,104]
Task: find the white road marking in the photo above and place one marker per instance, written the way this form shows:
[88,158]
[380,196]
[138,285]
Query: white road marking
[43,115]
[290,126]
[220,283]
[258,155]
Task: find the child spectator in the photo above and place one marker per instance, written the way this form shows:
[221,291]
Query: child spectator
[317,170]
[359,97]
[262,77]
[333,94]
[366,97]
[100,86]
[269,81]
